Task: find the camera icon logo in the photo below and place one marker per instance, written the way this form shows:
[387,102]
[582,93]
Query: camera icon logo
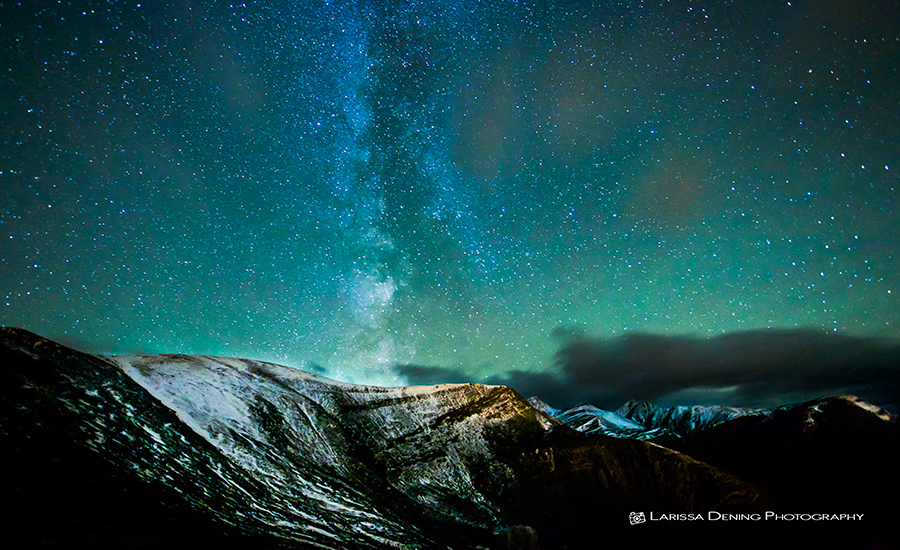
[636,517]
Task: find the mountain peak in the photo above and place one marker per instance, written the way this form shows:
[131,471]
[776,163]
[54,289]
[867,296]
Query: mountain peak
[879,412]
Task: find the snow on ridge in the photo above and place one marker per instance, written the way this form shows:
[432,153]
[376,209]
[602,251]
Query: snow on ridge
[213,395]
[874,409]
[288,375]
[273,421]
[200,397]
[584,413]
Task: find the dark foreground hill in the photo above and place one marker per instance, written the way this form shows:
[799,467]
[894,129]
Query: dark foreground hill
[836,453]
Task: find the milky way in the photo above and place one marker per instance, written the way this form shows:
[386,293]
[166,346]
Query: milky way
[362,187]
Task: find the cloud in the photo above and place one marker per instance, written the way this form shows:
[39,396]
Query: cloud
[316,368]
[418,375]
[549,387]
[761,368]
[754,368]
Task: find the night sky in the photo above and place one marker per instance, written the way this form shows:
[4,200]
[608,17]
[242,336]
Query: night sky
[555,195]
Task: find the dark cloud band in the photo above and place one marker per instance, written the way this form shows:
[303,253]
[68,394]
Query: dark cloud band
[753,368]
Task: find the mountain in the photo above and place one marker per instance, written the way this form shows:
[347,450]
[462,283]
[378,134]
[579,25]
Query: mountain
[681,420]
[590,419]
[835,453]
[209,452]
[644,421]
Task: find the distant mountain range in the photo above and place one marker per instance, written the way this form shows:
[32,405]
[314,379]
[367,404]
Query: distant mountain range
[645,421]
[176,451]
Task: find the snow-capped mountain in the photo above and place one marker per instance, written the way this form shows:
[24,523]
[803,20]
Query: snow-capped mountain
[644,421]
[590,419]
[680,420]
[303,435]
[233,453]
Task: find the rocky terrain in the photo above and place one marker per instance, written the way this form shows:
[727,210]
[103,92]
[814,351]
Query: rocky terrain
[645,421]
[210,452]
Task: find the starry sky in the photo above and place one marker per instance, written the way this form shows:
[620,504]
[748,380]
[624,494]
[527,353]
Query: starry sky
[556,195]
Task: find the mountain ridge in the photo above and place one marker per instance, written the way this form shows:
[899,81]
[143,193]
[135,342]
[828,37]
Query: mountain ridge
[295,459]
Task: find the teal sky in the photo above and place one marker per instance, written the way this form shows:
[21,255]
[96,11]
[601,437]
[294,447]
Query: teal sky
[353,186]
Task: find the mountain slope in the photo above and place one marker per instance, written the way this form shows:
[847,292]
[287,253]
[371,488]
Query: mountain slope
[466,453]
[53,393]
[836,453]
[266,456]
[590,419]
[644,421]
[680,421]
